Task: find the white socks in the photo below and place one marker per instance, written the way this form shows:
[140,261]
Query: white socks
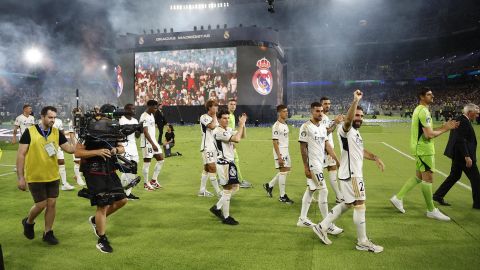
[145,171]
[306,200]
[274,180]
[76,170]
[332,175]
[359,220]
[334,214]
[226,203]
[213,180]
[157,169]
[63,174]
[203,181]
[323,201]
[282,178]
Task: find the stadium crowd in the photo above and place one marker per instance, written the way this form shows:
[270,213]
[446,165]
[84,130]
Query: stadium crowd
[186,77]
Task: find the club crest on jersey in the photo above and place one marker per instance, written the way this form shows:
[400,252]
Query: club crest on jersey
[262,79]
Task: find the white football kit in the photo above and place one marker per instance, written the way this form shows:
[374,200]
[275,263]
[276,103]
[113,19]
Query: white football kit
[315,137]
[350,172]
[226,169]
[59,125]
[208,146]
[280,132]
[329,161]
[23,122]
[131,152]
[148,121]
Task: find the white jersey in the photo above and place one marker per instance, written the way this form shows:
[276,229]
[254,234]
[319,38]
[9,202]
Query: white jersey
[208,141]
[225,146]
[24,122]
[131,144]
[280,132]
[315,137]
[351,159]
[148,121]
[327,123]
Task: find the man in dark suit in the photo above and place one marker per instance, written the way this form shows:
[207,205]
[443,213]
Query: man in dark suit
[462,148]
[161,121]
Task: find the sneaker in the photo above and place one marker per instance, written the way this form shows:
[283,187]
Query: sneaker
[322,234]
[369,246]
[155,184]
[132,183]
[334,230]
[67,187]
[148,187]
[91,220]
[245,184]
[50,238]
[304,222]
[179,154]
[285,199]
[79,181]
[230,221]
[204,194]
[269,189]
[216,212]
[103,245]
[436,214]
[28,229]
[132,197]
[397,203]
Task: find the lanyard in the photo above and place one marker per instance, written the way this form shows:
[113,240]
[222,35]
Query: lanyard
[43,133]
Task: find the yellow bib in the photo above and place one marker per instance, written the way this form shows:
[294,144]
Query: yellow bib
[39,167]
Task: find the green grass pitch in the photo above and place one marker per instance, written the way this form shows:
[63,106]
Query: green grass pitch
[173,229]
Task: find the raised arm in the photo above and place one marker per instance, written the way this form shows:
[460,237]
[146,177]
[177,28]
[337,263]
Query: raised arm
[357,96]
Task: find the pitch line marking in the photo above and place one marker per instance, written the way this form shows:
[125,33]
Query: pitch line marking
[7,173]
[412,158]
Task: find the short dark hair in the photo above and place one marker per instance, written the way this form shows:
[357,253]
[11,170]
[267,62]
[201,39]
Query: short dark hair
[171,127]
[315,104]
[107,108]
[423,91]
[45,110]
[359,108]
[323,98]
[26,106]
[281,107]
[128,105]
[232,99]
[152,103]
[222,111]
[210,103]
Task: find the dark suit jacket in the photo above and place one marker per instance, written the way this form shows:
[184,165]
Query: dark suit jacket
[160,119]
[462,141]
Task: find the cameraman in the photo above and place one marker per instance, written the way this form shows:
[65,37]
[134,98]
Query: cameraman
[103,184]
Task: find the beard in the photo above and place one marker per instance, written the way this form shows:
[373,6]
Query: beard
[357,124]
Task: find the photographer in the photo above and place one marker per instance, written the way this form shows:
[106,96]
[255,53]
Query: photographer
[98,167]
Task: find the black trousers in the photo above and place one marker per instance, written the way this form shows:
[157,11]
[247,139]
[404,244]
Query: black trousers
[160,135]
[455,174]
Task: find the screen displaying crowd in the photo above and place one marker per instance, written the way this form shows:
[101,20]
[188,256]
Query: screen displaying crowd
[186,77]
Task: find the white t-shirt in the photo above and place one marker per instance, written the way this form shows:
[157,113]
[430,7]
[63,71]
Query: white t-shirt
[315,137]
[208,142]
[280,132]
[24,122]
[130,145]
[225,146]
[148,121]
[351,159]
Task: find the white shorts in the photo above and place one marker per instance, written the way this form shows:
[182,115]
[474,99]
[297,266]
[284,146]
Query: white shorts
[317,181]
[227,174]
[209,156]
[353,189]
[329,161]
[60,154]
[130,156]
[285,157]
[148,151]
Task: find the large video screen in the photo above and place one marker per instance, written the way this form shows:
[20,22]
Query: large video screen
[186,77]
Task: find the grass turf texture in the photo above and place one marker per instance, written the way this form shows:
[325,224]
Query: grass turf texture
[173,229]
